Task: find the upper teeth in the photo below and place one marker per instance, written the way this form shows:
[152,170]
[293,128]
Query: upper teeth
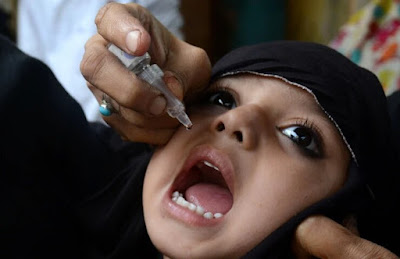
[210,165]
[177,197]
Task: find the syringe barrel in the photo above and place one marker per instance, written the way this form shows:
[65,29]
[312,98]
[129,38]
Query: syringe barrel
[134,63]
[153,75]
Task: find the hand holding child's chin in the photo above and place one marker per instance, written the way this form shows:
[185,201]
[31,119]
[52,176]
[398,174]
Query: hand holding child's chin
[322,237]
[138,111]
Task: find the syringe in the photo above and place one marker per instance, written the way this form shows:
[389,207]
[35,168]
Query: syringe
[152,74]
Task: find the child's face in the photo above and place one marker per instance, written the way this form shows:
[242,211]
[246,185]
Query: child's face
[276,153]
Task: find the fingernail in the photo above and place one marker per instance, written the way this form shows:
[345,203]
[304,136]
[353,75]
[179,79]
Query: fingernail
[158,105]
[132,40]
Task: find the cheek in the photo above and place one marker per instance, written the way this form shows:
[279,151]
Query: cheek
[154,174]
[155,178]
[278,191]
[167,160]
[281,190]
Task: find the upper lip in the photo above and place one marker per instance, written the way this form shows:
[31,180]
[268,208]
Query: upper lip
[212,155]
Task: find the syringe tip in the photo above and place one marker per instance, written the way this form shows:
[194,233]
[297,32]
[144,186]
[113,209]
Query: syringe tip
[184,119]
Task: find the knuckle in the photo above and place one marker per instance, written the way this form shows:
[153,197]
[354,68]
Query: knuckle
[130,98]
[134,6]
[133,117]
[198,55]
[136,95]
[137,10]
[102,12]
[200,59]
[89,43]
[92,64]
[91,87]
[201,54]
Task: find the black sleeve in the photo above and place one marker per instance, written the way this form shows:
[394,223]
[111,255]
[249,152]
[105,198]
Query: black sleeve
[394,112]
[65,184]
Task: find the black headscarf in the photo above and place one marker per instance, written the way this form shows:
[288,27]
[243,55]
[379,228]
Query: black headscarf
[353,99]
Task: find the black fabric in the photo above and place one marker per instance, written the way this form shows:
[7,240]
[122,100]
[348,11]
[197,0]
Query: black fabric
[394,112]
[68,189]
[354,99]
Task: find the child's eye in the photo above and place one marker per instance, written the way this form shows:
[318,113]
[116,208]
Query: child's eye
[222,98]
[305,138]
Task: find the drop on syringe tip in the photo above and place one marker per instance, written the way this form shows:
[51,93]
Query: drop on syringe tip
[184,119]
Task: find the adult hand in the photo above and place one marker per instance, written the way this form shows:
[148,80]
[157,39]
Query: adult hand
[322,237]
[140,110]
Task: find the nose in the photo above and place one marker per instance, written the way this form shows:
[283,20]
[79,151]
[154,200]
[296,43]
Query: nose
[239,125]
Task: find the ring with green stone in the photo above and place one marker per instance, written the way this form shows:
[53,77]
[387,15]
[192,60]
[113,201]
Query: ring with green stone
[105,107]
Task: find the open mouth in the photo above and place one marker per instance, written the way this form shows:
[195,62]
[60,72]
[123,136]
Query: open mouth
[205,184]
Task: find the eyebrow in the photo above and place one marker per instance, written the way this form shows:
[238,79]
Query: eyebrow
[219,84]
[321,113]
[316,109]
[325,119]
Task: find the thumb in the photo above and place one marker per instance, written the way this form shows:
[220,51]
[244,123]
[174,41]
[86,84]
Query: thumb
[121,25]
[322,237]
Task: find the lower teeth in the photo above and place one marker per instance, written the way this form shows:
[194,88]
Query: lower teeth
[178,199]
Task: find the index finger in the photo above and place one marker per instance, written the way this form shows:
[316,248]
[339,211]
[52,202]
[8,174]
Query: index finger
[324,238]
[104,71]
[124,27]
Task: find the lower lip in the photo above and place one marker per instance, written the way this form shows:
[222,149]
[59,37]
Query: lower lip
[186,216]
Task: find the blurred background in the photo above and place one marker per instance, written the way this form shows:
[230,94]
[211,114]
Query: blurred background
[365,31]
[220,25]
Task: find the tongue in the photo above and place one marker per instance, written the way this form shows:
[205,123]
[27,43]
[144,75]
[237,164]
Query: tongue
[211,197]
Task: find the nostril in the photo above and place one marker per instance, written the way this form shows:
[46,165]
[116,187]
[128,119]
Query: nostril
[239,136]
[220,126]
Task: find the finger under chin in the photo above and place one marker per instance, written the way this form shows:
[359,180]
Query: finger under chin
[131,132]
[324,238]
